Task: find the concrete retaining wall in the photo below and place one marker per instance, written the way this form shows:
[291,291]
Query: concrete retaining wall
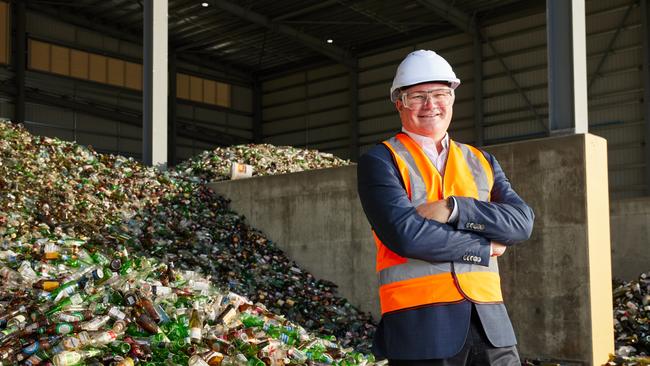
[630,223]
[556,286]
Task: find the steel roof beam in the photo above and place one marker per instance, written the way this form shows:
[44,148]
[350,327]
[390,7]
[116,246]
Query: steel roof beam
[154,84]
[452,14]
[83,21]
[212,36]
[374,16]
[305,10]
[102,7]
[610,46]
[206,25]
[333,52]
[645,36]
[19,56]
[567,67]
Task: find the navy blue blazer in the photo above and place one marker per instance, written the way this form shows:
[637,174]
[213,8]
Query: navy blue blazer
[439,331]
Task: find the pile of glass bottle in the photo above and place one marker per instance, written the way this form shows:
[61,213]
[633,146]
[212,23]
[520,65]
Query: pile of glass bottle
[265,159]
[63,304]
[63,202]
[632,322]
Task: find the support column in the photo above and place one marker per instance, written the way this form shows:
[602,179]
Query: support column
[20,60]
[645,36]
[154,124]
[171,110]
[478,88]
[567,66]
[354,115]
[257,111]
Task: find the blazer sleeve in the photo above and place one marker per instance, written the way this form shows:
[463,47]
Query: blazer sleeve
[395,221]
[505,219]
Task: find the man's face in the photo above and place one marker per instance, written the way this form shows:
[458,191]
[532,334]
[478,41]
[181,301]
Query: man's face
[430,118]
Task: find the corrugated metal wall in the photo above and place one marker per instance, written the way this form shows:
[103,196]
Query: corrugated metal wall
[304,108]
[309,109]
[616,92]
[515,99]
[117,135]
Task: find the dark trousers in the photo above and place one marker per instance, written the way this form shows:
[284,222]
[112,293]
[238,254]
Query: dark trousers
[476,351]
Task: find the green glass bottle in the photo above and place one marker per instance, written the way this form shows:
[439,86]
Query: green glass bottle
[75,299]
[180,359]
[178,345]
[254,361]
[120,347]
[251,321]
[100,259]
[178,331]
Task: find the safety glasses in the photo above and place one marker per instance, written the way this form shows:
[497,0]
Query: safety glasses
[416,99]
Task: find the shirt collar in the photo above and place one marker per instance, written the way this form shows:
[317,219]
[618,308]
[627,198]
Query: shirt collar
[428,142]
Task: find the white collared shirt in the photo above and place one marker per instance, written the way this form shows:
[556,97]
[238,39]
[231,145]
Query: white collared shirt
[439,159]
[427,144]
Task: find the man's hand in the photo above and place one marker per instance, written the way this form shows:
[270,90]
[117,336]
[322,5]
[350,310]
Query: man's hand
[497,249]
[436,210]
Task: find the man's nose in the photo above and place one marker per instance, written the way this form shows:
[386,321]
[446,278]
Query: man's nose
[429,103]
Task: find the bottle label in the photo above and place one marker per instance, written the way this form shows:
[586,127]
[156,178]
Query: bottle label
[71,317]
[70,343]
[29,350]
[116,313]
[64,328]
[67,358]
[200,286]
[76,299]
[83,338]
[161,290]
[50,285]
[110,335]
[195,333]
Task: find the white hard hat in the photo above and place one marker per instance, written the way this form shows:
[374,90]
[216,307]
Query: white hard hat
[420,67]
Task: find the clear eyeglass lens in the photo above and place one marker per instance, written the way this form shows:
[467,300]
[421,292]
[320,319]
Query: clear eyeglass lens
[418,98]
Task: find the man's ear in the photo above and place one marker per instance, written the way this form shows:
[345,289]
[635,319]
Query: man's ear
[399,105]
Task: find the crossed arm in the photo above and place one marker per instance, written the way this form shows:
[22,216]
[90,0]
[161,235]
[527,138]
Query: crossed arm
[422,232]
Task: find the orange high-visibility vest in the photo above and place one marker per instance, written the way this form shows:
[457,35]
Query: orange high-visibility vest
[406,282]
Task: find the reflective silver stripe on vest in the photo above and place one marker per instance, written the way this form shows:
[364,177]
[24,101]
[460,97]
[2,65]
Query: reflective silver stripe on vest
[479,174]
[414,268]
[418,189]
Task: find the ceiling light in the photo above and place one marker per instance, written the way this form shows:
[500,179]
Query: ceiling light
[205,5]
[330,41]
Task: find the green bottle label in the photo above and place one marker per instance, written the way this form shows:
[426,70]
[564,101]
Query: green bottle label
[64,328]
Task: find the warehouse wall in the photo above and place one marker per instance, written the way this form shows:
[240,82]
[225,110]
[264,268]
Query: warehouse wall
[616,91]
[557,285]
[309,109]
[312,108]
[112,122]
[630,223]
[614,60]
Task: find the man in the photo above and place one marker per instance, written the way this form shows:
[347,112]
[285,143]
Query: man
[441,214]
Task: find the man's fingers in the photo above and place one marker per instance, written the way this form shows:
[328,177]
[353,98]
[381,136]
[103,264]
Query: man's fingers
[436,210]
[497,249]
